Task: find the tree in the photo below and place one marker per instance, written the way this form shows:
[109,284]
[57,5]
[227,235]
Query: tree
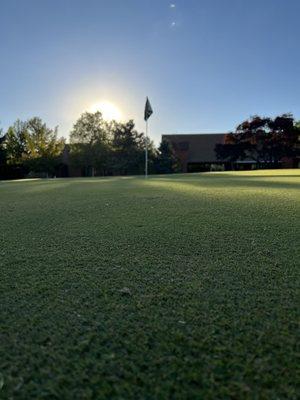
[232,150]
[15,143]
[42,147]
[90,143]
[33,145]
[297,146]
[264,140]
[284,141]
[166,161]
[128,149]
[108,148]
[2,151]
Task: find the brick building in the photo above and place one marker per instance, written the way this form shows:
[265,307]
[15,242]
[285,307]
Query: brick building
[196,152]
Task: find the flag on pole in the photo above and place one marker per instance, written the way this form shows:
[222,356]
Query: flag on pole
[148,110]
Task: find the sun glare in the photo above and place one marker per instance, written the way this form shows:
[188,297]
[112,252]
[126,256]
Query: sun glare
[109,111]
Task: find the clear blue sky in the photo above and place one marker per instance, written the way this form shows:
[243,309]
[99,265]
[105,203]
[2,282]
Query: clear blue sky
[206,65]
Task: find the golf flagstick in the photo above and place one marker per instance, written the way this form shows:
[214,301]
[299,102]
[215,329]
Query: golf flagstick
[147,114]
[146,151]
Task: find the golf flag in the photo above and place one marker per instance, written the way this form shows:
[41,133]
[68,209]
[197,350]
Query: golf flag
[148,110]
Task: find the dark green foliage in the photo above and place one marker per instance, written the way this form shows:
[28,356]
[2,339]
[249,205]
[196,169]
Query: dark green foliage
[3,156]
[109,148]
[2,149]
[128,149]
[175,287]
[90,143]
[166,161]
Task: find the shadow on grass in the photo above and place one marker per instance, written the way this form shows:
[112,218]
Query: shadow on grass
[228,181]
[196,180]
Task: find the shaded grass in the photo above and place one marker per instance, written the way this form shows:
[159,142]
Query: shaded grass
[211,262]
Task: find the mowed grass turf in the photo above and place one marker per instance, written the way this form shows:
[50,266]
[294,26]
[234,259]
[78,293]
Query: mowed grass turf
[178,287]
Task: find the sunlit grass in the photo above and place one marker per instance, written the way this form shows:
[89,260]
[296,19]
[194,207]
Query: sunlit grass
[210,268]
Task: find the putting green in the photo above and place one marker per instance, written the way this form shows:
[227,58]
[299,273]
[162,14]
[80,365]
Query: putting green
[179,287]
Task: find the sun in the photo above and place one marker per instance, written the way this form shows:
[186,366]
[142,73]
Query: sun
[109,110]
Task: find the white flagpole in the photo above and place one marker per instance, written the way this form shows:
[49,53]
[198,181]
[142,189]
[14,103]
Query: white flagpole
[146,151]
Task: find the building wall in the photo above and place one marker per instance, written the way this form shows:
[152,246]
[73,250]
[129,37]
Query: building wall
[195,149]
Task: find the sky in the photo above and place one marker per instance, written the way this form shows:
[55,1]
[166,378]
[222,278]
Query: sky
[206,65]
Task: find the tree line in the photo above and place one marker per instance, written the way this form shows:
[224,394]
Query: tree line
[267,141]
[96,147]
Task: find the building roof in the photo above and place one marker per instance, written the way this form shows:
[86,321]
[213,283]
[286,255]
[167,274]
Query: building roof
[198,147]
